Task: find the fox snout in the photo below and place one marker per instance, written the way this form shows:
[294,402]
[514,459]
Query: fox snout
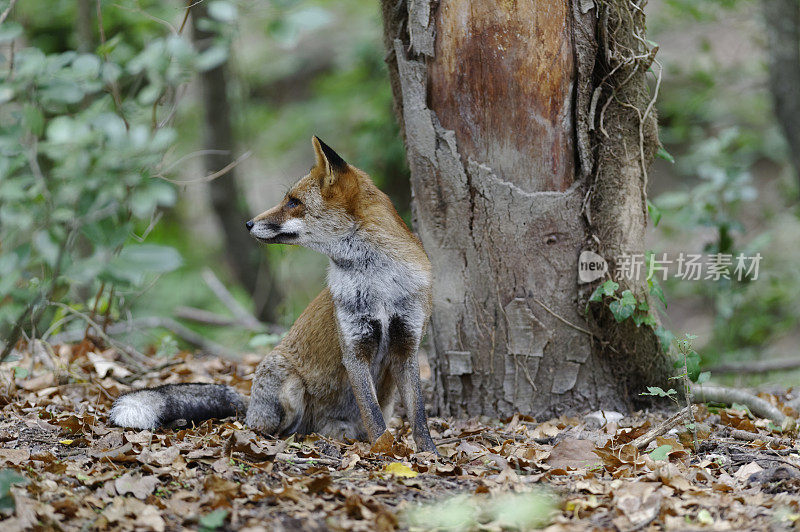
[272,232]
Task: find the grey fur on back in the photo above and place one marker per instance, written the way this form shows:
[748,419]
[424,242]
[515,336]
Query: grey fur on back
[152,408]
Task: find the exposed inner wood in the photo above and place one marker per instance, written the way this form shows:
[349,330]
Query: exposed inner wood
[501,78]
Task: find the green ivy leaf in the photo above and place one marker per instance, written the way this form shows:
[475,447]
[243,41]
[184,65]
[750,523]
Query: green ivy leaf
[213,520]
[655,212]
[656,290]
[703,377]
[661,452]
[608,288]
[693,366]
[664,154]
[657,391]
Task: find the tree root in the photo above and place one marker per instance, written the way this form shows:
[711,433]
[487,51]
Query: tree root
[758,406]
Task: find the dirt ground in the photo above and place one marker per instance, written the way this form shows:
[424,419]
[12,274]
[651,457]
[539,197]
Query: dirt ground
[62,467]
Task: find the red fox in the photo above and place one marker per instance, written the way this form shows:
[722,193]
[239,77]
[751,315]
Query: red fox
[336,371]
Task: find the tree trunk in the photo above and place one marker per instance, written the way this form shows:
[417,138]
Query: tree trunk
[243,255]
[84,26]
[513,176]
[782,19]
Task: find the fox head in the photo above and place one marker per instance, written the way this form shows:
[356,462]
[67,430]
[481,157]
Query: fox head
[323,207]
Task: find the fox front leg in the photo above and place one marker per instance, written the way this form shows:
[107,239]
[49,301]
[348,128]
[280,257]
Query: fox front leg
[361,343]
[404,340]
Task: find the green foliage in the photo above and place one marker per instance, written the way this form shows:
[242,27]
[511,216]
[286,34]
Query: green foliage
[690,359]
[747,313]
[624,305]
[81,179]
[608,288]
[701,11]
[657,391]
[722,164]
[716,115]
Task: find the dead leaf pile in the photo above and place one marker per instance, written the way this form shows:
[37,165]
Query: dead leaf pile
[63,467]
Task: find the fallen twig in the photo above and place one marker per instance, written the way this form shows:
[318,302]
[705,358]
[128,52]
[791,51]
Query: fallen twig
[153,322]
[760,366]
[718,394]
[285,457]
[205,317]
[751,436]
[134,357]
[661,429]
[245,318]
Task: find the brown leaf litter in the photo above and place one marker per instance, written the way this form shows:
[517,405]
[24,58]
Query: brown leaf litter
[563,474]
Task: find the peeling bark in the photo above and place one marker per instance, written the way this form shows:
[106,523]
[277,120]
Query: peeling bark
[501,163]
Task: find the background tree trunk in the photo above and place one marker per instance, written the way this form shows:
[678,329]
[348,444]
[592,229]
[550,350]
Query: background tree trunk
[511,177]
[782,19]
[245,259]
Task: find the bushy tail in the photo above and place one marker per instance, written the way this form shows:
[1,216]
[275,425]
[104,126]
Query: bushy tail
[151,408]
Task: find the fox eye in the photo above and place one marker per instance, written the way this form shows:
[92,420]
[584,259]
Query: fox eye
[292,203]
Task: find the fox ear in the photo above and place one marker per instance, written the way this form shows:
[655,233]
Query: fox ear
[328,160]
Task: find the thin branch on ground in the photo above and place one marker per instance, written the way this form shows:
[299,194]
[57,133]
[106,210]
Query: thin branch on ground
[134,357]
[153,322]
[757,366]
[205,317]
[240,313]
[758,406]
[303,460]
[645,439]
[751,436]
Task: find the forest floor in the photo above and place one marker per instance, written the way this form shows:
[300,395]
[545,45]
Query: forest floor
[62,467]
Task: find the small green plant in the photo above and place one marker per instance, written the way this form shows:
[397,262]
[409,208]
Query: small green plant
[688,362]
[657,391]
[688,353]
[624,305]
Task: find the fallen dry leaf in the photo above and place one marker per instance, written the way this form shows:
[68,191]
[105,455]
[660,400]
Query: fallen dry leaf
[138,485]
[576,454]
[400,470]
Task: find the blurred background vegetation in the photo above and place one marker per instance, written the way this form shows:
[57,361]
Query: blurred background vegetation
[132,156]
